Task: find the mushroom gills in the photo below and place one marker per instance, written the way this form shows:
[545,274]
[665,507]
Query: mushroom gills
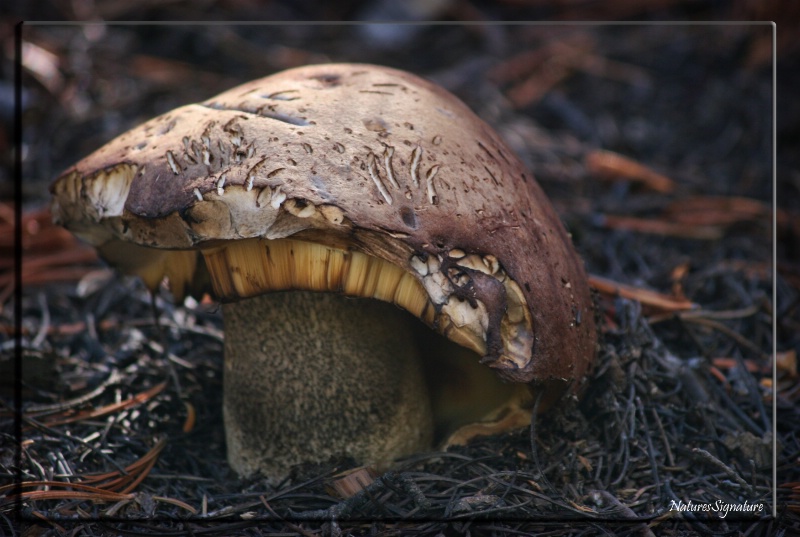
[461,389]
[247,268]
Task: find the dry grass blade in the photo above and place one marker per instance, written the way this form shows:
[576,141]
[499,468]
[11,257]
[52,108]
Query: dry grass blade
[694,217]
[106,487]
[792,490]
[37,411]
[77,492]
[717,210]
[652,299]
[561,59]
[613,167]
[177,503]
[65,329]
[137,399]
[752,367]
[135,473]
[658,226]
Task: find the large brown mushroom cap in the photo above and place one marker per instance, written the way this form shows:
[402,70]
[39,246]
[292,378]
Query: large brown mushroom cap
[362,159]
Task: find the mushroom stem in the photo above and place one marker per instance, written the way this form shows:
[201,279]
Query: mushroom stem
[310,376]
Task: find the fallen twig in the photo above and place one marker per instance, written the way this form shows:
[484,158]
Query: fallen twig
[647,297]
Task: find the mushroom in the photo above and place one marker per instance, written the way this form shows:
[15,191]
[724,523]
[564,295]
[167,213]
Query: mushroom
[294,194]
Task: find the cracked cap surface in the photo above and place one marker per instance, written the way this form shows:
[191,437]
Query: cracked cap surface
[363,160]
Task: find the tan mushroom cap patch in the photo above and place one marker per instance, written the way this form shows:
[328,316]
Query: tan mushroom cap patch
[349,178]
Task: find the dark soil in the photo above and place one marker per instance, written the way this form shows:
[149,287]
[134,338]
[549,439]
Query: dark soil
[682,404]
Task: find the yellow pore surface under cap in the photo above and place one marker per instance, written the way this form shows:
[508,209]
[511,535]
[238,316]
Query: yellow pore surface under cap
[250,267]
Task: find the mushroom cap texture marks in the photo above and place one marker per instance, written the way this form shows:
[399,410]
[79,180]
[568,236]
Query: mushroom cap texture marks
[363,159]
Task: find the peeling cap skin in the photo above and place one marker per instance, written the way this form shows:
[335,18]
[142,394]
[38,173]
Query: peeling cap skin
[381,169]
